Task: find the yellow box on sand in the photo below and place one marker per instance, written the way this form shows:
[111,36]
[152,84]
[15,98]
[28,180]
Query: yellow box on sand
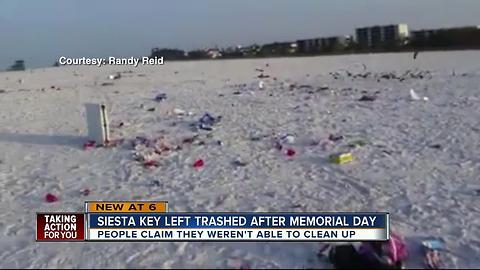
[341,158]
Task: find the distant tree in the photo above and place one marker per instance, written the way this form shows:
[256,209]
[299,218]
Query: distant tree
[197,54]
[168,54]
[232,54]
[455,38]
[276,49]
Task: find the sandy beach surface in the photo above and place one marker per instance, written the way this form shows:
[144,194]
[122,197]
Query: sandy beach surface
[418,160]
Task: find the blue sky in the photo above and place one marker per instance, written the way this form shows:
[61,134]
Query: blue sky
[40,31]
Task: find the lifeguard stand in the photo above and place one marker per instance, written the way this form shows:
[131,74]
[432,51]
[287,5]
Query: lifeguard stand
[19,65]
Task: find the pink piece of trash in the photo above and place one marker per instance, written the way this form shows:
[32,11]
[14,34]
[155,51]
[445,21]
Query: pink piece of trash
[51,198]
[89,145]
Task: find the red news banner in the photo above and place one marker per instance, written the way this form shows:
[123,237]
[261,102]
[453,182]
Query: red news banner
[64,226]
[60,227]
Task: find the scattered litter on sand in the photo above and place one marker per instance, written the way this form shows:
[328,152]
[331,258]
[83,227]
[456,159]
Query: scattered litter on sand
[392,141]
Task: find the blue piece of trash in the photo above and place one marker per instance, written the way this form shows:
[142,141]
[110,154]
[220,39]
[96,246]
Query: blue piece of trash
[161,97]
[433,244]
[207,121]
[205,127]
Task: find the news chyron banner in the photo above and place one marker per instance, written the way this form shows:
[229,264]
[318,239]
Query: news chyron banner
[151,221]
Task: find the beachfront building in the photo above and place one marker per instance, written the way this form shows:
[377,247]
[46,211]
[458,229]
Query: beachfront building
[327,44]
[423,34]
[382,36]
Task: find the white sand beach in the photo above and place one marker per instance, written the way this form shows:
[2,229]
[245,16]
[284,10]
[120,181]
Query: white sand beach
[419,159]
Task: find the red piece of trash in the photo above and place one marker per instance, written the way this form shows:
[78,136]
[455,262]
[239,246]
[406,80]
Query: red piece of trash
[150,164]
[51,198]
[199,163]
[89,145]
[291,152]
[85,192]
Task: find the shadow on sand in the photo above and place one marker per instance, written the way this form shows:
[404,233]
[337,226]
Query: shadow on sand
[44,139]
